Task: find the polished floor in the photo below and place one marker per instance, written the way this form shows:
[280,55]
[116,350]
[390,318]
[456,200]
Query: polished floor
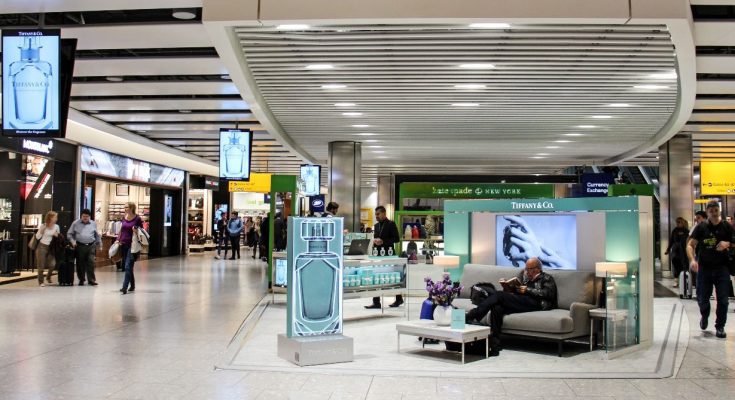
[163,341]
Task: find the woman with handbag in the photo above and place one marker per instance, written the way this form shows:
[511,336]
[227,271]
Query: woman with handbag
[45,258]
[131,223]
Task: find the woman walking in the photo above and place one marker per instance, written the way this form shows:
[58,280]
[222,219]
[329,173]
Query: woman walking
[45,258]
[677,248]
[130,224]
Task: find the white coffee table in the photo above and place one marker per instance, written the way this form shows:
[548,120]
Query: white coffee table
[429,329]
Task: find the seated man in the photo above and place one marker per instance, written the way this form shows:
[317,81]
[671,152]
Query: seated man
[537,292]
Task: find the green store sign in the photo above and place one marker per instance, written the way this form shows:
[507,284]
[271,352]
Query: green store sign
[476,191]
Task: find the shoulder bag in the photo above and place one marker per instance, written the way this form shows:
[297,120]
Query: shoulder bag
[33,243]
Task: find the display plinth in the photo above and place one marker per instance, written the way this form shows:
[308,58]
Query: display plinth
[315,350]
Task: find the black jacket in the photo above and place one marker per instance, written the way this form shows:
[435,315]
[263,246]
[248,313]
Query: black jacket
[543,289]
[388,232]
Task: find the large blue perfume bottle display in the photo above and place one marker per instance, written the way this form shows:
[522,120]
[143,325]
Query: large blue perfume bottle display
[31,80]
[315,269]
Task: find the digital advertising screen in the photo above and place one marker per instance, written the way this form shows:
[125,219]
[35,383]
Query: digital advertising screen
[235,147]
[311,178]
[551,238]
[31,88]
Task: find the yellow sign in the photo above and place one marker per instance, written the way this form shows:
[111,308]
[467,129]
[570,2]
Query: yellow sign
[717,178]
[259,183]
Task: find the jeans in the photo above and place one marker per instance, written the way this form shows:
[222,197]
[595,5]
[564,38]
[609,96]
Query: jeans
[222,244]
[128,264]
[719,279]
[235,241]
[85,262]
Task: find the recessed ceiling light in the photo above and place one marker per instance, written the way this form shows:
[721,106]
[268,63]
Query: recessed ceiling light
[490,25]
[465,104]
[366,134]
[477,66]
[378,151]
[666,75]
[537,157]
[292,27]
[574,134]
[333,86]
[371,141]
[344,104]
[650,87]
[554,147]
[587,126]
[376,147]
[114,78]
[352,114]
[602,116]
[543,154]
[470,86]
[184,13]
[319,66]
[360,126]
[619,105]
[382,157]
[563,141]
[185,111]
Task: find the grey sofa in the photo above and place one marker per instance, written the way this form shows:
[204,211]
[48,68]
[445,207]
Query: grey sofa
[576,294]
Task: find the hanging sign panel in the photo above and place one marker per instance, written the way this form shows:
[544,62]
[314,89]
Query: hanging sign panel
[717,177]
[235,148]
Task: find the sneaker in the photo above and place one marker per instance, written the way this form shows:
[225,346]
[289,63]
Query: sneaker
[703,323]
[720,333]
[42,284]
[217,257]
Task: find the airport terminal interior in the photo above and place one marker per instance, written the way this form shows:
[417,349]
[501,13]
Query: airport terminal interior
[344,199]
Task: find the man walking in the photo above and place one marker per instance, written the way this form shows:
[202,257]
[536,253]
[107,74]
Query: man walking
[234,227]
[84,239]
[715,237]
[384,237]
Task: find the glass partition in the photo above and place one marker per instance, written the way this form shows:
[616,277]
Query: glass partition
[622,310]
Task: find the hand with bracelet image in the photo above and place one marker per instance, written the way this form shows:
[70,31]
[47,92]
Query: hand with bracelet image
[521,244]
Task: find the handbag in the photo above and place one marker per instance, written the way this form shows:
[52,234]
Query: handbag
[114,249]
[33,243]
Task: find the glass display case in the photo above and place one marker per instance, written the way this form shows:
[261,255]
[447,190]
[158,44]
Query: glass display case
[421,231]
[374,276]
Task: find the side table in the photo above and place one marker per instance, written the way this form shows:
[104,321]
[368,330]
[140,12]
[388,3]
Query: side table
[605,315]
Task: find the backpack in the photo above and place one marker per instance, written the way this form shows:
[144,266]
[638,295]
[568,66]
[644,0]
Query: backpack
[481,291]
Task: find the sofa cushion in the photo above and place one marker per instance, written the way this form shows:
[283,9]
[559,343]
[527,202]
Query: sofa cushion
[573,286]
[551,321]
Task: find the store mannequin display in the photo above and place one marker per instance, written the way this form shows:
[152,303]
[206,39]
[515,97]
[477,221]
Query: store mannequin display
[234,229]
[384,237]
[536,291]
[45,258]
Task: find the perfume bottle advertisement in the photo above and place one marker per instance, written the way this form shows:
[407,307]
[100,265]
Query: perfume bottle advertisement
[30,82]
[310,177]
[234,154]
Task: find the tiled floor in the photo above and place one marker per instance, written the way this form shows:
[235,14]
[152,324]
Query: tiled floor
[162,341]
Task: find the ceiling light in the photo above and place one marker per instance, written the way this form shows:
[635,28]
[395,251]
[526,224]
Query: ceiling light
[366,134]
[543,154]
[537,157]
[92,112]
[344,104]
[225,77]
[376,147]
[619,105]
[371,141]
[185,111]
[666,75]
[470,86]
[352,114]
[563,141]
[319,66]
[184,13]
[114,78]
[602,116]
[490,25]
[554,147]
[333,86]
[360,126]
[142,131]
[574,134]
[477,66]
[378,151]
[465,104]
[382,157]
[292,27]
[650,87]
[586,126]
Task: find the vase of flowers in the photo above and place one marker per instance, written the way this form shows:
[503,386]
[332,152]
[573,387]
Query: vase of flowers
[441,294]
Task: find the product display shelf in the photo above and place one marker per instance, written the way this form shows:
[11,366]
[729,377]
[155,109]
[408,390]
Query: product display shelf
[370,268]
[435,240]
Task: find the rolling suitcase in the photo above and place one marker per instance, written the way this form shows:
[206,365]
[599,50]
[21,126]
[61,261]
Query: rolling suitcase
[66,267]
[685,285]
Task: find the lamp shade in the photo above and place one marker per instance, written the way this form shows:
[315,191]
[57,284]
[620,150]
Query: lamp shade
[602,269]
[447,261]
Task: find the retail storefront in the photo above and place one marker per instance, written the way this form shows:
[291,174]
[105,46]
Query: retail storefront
[200,213]
[36,176]
[110,181]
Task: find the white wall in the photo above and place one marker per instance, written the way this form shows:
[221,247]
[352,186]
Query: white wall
[369,200]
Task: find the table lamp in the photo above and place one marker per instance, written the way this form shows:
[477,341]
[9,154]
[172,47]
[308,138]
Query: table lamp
[602,270]
[447,262]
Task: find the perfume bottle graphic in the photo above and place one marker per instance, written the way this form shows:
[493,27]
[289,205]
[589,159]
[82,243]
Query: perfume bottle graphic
[311,181]
[31,82]
[235,156]
[318,277]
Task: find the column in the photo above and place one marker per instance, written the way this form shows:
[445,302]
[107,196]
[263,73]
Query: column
[676,190]
[345,169]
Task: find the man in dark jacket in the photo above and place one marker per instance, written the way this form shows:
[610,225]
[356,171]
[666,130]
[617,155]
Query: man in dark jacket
[265,228]
[537,292]
[385,235]
[279,233]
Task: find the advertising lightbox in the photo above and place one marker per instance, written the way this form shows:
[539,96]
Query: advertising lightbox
[311,178]
[31,88]
[552,238]
[235,147]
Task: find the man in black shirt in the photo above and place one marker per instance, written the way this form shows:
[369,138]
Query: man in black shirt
[385,236]
[714,237]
